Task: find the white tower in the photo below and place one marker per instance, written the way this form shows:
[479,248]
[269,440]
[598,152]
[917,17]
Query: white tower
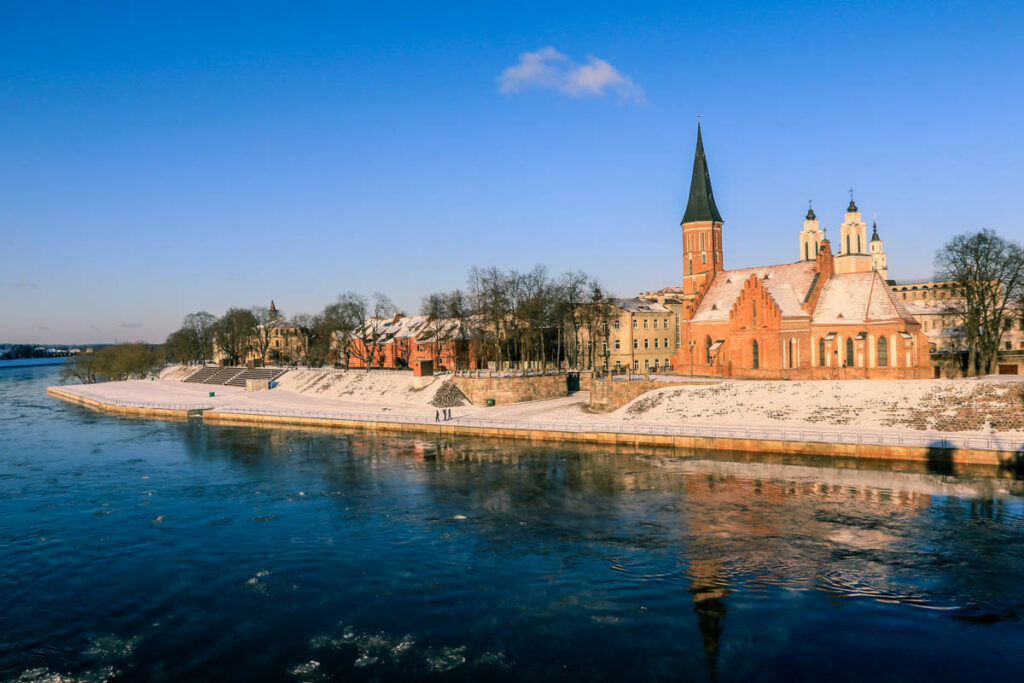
[877,252]
[810,237]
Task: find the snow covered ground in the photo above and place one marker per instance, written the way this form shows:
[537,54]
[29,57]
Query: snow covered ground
[971,406]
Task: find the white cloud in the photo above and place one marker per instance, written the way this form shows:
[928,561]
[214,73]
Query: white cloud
[549,69]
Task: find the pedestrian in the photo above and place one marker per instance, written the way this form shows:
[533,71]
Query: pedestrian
[447,413]
[437,416]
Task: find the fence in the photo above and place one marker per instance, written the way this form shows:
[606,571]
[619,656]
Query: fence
[763,434]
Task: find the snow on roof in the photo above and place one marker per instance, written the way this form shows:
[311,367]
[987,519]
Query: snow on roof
[927,307]
[787,283]
[638,306]
[851,298]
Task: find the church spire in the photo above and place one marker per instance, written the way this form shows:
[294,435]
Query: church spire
[701,204]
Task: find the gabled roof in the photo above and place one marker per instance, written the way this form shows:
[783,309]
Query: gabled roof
[701,204]
[788,284]
[850,298]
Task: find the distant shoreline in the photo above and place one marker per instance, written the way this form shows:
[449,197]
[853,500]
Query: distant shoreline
[32,362]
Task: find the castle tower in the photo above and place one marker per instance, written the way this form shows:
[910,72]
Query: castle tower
[877,252]
[810,237]
[702,228]
[853,256]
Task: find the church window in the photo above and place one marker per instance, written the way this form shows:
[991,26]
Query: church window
[792,353]
[704,258]
[883,353]
[754,309]
[858,244]
[821,352]
[849,352]
[807,252]
[707,351]
[755,362]
[702,240]
[847,244]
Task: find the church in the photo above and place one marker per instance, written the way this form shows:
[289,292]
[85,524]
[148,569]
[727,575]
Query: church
[829,315]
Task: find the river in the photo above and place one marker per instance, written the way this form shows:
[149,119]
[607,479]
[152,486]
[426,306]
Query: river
[135,549]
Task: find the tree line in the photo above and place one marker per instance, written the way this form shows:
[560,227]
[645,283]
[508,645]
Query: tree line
[509,317]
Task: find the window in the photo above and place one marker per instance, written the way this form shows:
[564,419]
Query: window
[647,365]
[656,342]
[704,258]
[754,304]
[755,361]
[615,325]
[847,244]
[646,343]
[821,352]
[645,323]
[707,351]
[883,353]
[702,240]
[1008,346]
[858,245]
[655,323]
[807,252]
[604,348]
[849,352]
[666,342]
[636,343]
[604,328]
[616,344]
[792,353]
[636,365]
[655,363]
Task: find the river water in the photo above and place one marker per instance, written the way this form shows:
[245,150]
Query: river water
[136,549]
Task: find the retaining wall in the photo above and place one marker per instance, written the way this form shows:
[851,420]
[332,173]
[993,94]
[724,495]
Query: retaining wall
[512,389]
[607,395]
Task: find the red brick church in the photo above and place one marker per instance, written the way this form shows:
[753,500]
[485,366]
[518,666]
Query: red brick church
[823,317]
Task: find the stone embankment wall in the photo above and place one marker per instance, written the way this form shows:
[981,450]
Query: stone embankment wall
[511,389]
[608,395]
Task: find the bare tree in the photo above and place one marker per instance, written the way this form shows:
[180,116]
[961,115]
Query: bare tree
[987,273]
[435,308]
[201,325]
[234,334]
[366,329]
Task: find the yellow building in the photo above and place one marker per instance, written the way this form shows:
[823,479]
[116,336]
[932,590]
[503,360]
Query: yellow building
[641,336]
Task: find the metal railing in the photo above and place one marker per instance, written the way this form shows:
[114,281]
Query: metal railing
[121,403]
[763,433]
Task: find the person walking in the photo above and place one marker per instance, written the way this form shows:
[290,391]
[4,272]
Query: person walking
[437,416]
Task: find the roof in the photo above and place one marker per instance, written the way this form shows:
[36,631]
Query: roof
[701,204]
[858,298]
[942,307]
[788,284]
[638,306]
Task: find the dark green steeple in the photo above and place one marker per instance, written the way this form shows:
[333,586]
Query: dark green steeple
[701,204]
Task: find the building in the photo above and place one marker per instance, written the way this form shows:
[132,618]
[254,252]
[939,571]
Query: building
[824,316]
[933,305]
[403,341]
[642,335]
[286,343]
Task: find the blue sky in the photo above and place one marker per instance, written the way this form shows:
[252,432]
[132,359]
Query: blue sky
[162,160]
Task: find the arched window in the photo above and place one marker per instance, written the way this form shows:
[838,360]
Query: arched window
[707,351]
[807,251]
[858,245]
[883,353]
[849,352]
[821,352]
[847,244]
[755,361]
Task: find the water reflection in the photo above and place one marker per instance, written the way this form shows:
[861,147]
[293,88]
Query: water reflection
[318,555]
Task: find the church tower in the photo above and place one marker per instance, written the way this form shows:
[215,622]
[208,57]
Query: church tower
[853,256]
[877,252]
[810,237]
[702,229]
